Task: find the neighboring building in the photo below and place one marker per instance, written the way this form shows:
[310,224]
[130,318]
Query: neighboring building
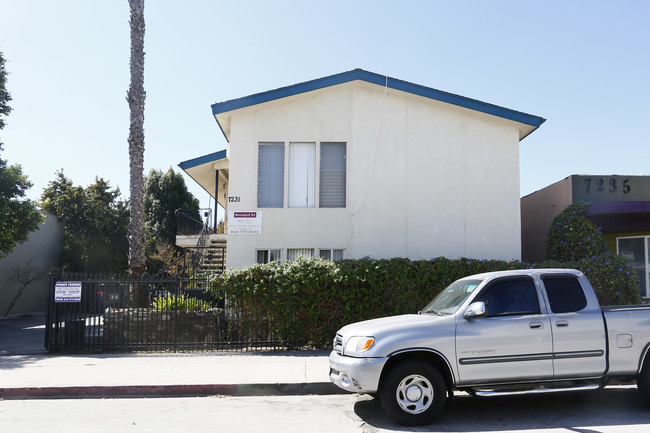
[43,248]
[359,164]
[620,205]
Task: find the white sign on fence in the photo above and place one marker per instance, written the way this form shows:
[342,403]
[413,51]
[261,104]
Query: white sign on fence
[67,291]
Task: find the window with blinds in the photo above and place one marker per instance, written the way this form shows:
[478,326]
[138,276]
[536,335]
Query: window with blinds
[332,190]
[270,175]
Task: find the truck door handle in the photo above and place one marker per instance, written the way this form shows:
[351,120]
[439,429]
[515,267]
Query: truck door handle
[535,325]
[560,323]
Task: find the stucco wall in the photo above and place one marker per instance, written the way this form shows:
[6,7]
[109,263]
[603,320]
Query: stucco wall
[424,178]
[537,213]
[44,248]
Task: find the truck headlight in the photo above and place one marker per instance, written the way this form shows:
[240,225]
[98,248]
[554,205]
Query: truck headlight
[356,345]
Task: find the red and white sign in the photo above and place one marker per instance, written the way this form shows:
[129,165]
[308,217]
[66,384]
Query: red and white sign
[245,223]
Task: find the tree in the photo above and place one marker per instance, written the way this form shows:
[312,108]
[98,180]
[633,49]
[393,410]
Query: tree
[164,195]
[18,215]
[5,96]
[135,97]
[95,224]
[24,276]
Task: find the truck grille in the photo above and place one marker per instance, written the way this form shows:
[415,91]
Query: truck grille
[338,343]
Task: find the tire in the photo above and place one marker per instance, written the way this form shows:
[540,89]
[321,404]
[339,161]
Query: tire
[413,393]
[643,381]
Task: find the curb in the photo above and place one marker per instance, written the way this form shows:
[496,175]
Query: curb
[131,391]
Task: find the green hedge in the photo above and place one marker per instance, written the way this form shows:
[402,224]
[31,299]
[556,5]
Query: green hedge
[180,303]
[308,300]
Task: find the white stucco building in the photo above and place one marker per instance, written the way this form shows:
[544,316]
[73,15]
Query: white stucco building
[359,164]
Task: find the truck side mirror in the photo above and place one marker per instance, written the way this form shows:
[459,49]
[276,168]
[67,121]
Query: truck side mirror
[476,309]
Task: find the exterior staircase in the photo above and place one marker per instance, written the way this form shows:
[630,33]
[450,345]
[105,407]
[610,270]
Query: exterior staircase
[206,248]
[213,258]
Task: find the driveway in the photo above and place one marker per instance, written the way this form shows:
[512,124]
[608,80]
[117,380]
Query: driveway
[22,334]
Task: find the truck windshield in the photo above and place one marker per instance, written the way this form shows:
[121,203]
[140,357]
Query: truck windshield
[448,301]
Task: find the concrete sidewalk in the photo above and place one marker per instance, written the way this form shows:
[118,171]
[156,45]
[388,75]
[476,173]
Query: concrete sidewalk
[33,374]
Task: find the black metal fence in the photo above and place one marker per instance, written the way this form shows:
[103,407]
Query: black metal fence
[122,313]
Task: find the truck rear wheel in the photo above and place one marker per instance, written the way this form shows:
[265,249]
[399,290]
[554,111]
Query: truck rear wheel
[413,393]
[643,381]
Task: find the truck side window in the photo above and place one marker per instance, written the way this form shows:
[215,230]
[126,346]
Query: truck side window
[565,294]
[510,297]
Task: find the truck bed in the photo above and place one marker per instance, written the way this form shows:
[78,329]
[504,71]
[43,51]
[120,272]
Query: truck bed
[628,329]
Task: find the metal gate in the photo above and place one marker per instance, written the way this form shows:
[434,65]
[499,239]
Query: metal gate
[122,313]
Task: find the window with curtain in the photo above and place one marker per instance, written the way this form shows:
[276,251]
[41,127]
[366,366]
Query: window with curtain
[332,189]
[270,175]
[267,256]
[302,167]
[294,253]
[331,254]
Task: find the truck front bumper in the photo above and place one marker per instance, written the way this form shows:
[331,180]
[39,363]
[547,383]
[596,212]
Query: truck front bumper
[356,374]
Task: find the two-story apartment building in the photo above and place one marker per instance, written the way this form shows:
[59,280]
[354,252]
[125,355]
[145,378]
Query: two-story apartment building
[359,164]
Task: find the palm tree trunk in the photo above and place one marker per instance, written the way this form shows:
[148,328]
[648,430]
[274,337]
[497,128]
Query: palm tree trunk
[135,97]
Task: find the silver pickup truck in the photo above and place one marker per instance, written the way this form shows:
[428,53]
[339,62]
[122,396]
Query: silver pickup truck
[510,331]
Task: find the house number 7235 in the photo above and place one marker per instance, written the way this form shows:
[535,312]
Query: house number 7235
[607,185]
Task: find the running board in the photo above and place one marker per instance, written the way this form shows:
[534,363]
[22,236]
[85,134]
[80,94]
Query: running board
[536,390]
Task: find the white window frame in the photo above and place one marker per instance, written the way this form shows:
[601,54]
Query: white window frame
[307,180]
[330,252]
[646,242]
[299,252]
[272,254]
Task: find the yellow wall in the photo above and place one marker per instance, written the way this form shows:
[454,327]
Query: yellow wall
[610,238]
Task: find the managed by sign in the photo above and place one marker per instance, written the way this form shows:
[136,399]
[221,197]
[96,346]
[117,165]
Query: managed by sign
[245,223]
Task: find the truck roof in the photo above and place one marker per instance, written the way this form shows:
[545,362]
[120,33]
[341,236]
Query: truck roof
[522,272]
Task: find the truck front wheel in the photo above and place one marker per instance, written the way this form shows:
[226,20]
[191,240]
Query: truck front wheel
[413,393]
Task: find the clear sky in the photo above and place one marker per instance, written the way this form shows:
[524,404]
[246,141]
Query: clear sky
[582,65]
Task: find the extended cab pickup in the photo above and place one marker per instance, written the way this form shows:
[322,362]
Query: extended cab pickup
[494,332]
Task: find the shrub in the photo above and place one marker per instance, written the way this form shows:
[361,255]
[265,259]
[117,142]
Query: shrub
[180,303]
[612,278]
[573,237]
[306,301]
[575,242]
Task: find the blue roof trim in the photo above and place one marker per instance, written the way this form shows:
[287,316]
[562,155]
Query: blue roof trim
[211,157]
[381,80]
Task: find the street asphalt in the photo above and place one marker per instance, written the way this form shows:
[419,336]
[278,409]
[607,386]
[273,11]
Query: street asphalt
[33,382]
[28,371]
